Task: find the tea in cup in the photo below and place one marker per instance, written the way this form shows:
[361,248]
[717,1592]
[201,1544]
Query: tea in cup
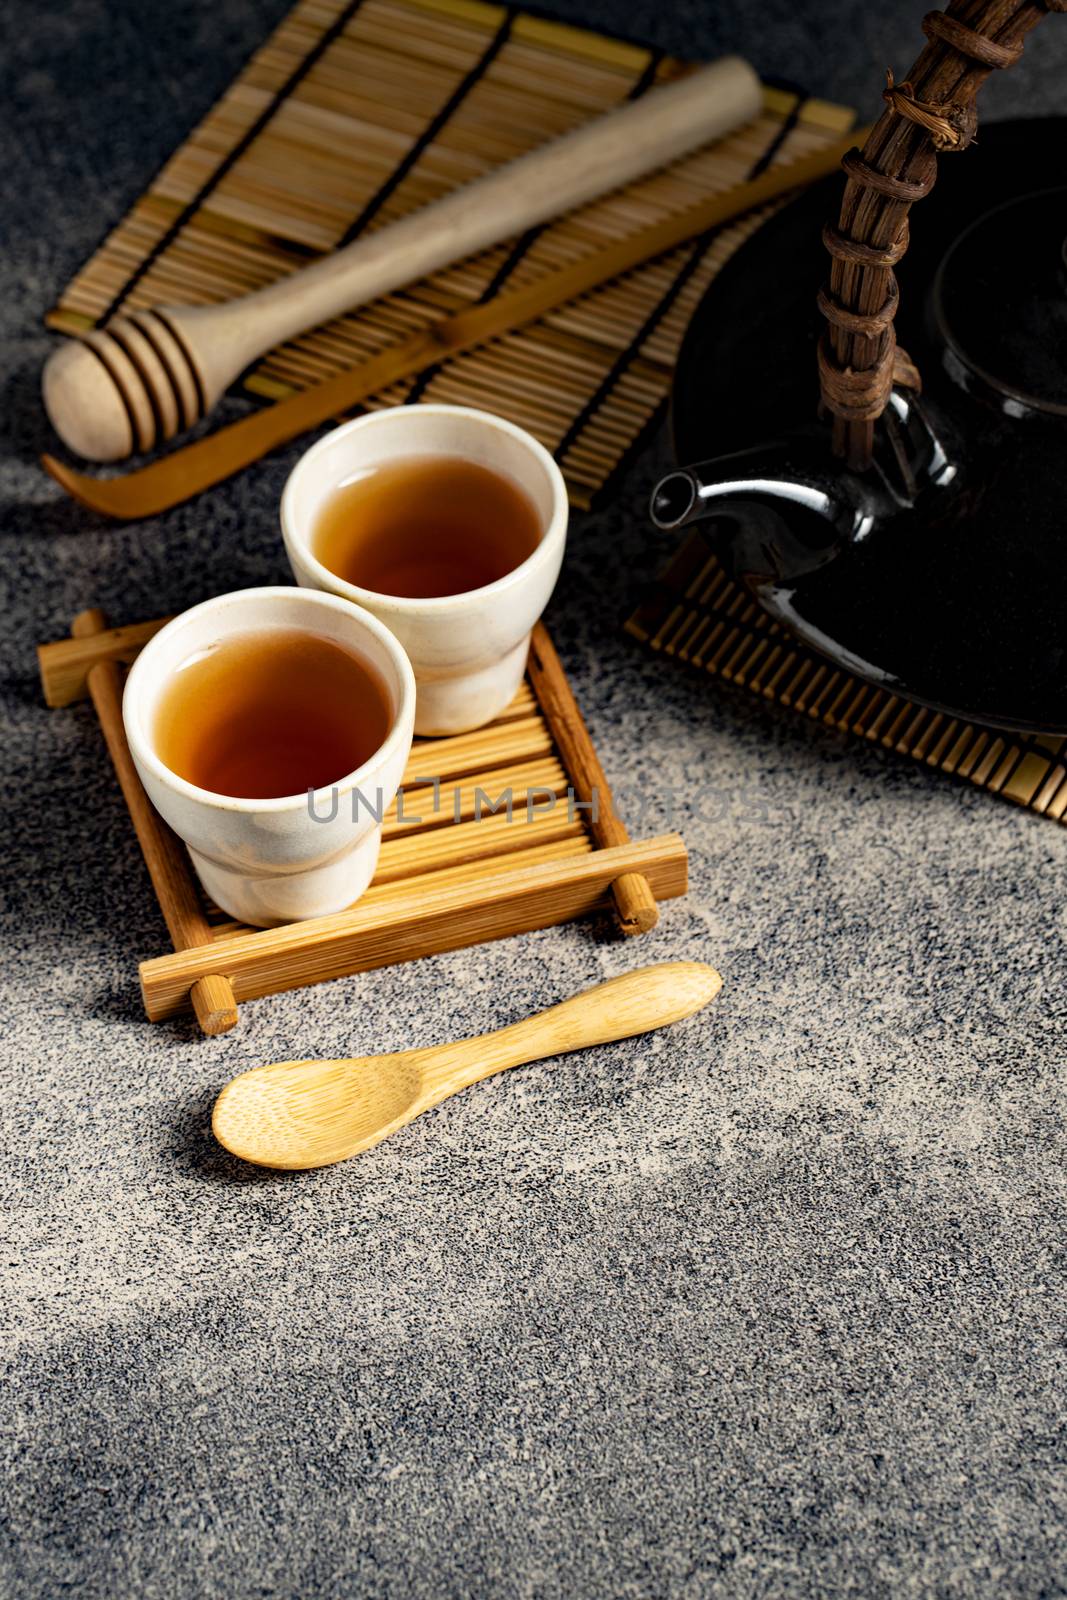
[448,524]
[270,729]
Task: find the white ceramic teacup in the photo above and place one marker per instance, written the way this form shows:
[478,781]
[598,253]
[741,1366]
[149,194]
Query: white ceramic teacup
[468,650]
[271,861]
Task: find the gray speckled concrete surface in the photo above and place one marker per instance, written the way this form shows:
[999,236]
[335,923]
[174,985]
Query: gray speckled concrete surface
[763,1306]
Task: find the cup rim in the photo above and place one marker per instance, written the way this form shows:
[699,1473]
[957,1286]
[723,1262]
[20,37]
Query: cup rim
[408,605]
[144,753]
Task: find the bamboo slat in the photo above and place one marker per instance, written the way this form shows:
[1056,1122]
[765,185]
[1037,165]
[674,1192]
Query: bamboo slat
[356,112]
[405,927]
[489,836]
[65,664]
[696,613]
[211,996]
[634,899]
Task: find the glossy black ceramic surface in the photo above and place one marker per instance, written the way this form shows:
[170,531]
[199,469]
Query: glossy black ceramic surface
[943,573]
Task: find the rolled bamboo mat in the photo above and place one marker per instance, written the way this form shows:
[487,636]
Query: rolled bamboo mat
[697,614]
[355,112]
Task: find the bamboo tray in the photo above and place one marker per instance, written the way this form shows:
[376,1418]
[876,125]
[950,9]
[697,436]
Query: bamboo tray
[356,112]
[698,615]
[455,878]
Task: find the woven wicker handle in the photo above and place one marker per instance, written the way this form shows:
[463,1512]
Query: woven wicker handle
[931,111]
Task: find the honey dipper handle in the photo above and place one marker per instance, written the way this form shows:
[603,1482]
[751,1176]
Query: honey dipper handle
[600,155]
[650,997]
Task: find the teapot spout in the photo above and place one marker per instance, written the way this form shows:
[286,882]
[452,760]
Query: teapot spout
[779,510]
[691,494]
[796,477]
[676,500]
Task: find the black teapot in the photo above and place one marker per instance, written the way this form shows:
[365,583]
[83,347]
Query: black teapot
[937,568]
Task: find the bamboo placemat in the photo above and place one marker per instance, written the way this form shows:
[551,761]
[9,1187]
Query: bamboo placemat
[698,614]
[356,112]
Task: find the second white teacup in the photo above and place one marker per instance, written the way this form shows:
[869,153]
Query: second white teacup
[468,650]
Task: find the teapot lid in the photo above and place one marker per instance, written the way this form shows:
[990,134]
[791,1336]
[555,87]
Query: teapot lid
[999,304]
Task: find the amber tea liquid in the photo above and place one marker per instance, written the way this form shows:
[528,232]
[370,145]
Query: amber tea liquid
[424,526]
[269,714]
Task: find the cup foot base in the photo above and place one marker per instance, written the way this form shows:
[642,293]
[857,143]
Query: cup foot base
[269,901]
[461,704]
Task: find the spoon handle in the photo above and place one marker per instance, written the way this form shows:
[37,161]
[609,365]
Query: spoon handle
[650,997]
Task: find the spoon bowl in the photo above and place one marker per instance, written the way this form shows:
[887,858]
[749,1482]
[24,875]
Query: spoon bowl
[311,1113]
[302,1114]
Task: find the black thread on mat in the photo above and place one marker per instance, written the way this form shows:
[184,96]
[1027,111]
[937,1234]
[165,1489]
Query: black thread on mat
[207,188]
[525,241]
[431,130]
[789,122]
[663,306]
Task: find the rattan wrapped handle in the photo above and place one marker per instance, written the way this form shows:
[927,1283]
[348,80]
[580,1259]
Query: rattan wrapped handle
[930,112]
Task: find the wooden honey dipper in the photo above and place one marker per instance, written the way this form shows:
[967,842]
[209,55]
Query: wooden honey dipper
[151,373]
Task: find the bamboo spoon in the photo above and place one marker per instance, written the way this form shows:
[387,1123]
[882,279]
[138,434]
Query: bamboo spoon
[302,1114]
[187,472]
[154,372]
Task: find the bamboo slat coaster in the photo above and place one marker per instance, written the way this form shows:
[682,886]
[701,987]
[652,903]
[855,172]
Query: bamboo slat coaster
[458,865]
[696,613]
[356,112]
